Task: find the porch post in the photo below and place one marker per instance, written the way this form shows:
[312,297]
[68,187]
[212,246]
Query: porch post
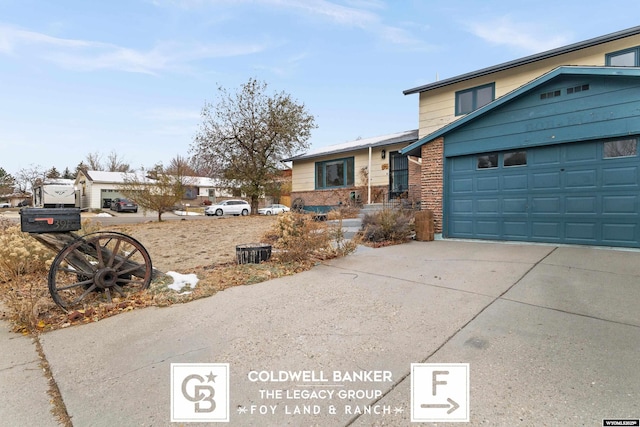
[369,179]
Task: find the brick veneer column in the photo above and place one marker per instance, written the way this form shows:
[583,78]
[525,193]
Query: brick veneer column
[432,179]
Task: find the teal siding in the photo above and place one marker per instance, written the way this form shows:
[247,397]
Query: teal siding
[610,108]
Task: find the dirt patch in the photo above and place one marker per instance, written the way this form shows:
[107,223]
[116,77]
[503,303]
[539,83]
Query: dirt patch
[184,245]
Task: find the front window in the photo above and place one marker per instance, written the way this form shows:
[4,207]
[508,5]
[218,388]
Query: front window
[624,58]
[335,173]
[471,99]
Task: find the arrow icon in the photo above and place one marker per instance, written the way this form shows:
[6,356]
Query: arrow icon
[452,405]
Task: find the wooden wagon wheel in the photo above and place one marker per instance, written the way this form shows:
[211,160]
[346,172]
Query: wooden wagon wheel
[96,265]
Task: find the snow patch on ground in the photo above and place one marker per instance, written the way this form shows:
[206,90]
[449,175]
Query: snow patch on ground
[183,213]
[104,215]
[182,280]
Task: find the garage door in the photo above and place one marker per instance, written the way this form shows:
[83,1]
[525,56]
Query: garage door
[580,193]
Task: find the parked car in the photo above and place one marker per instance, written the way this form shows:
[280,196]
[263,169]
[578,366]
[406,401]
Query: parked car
[121,205]
[229,207]
[273,210]
[5,205]
[24,203]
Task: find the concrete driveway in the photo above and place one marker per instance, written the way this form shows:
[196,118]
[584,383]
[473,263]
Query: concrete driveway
[551,336]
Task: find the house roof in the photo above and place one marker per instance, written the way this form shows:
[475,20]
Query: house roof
[112,177]
[527,60]
[395,138]
[201,181]
[119,177]
[414,149]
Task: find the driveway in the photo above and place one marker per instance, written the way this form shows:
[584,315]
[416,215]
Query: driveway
[551,336]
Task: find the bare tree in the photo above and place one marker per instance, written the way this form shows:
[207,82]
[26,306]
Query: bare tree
[28,178]
[180,169]
[114,162]
[94,161]
[153,190]
[244,136]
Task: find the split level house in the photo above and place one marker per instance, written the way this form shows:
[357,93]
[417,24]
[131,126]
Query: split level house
[543,148]
[364,171]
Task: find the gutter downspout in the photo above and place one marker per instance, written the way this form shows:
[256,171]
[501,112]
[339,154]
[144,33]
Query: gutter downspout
[369,179]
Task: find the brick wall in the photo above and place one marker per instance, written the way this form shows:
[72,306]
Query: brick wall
[432,180]
[415,173]
[325,197]
[342,195]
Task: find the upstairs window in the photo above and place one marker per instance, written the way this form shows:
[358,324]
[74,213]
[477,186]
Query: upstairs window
[469,100]
[624,58]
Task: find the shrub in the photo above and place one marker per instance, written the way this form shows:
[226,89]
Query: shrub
[20,253]
[387,225]
[297,237]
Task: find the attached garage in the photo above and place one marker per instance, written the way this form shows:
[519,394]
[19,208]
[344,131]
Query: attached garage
[554,161]
[583,193]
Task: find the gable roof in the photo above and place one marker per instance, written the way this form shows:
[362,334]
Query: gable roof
[527,59]
[360,144]
[414,149]
[119,177]
[112,177]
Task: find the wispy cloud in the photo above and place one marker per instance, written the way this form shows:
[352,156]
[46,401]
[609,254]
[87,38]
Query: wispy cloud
[83,55]
[362,14]
[521,35]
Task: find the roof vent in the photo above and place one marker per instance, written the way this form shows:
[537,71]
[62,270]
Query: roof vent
[551,94]
[577,89]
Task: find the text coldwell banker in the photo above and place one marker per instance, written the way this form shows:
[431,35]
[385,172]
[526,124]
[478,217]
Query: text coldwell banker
[320,376]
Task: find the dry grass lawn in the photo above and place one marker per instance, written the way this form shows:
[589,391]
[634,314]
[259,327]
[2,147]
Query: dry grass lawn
[184,245]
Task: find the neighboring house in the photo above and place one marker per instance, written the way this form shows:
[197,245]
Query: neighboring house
[202,188]
[544,148]
[97,188]
[369,170]
[17,199]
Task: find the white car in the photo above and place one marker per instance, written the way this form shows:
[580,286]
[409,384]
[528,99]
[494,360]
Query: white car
[229,207]
[5,205]
[273,210]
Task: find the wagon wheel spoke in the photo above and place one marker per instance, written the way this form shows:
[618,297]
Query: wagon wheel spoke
[84,294]
[116,249]
[126,258]
[119,290]
[83,283]
[92,268]
[99,254]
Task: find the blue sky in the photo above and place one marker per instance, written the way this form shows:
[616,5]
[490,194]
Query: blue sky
[85,76]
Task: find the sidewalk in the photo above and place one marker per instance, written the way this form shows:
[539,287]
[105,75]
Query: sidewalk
[551,336]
